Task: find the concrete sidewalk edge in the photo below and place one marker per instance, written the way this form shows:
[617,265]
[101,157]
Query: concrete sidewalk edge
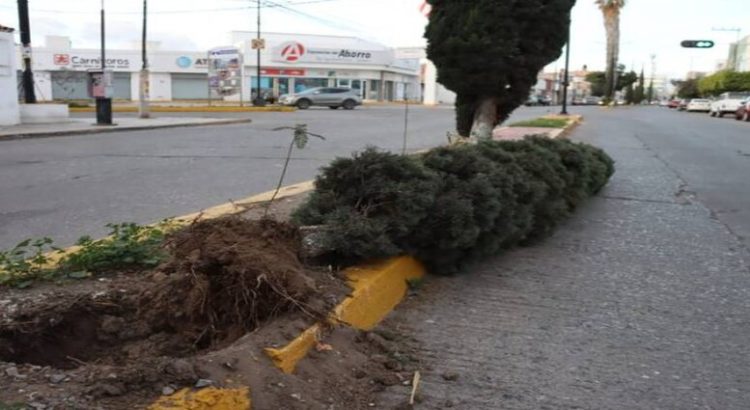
[114,128]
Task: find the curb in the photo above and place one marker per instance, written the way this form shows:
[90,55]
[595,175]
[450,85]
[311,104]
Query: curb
[377,290]
[110,129]
[127,109]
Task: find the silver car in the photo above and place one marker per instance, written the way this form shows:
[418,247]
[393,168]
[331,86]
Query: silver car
[322,96]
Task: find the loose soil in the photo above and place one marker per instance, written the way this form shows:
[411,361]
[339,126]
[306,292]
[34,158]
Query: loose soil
[232,287]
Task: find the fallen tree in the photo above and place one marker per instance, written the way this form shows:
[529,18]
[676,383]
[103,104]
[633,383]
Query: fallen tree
[451,205]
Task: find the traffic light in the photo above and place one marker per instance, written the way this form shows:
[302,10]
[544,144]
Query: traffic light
[698,44]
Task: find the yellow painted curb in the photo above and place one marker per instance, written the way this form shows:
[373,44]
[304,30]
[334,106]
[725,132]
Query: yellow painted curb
[192,109]
[377,290]
[205,399]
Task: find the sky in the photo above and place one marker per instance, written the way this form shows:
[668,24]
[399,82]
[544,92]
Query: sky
[649,27]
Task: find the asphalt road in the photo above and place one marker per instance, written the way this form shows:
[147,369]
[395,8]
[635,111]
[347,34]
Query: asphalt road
[640,301]
[65,187]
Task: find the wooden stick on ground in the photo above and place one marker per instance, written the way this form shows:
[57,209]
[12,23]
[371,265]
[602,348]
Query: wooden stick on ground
[414,387]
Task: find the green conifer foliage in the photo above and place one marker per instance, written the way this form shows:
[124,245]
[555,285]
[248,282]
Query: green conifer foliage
[490,51]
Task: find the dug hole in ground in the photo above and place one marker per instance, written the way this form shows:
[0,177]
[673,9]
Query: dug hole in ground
[232,287]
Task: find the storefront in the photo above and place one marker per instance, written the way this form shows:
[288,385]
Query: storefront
[289,63]
[295,62]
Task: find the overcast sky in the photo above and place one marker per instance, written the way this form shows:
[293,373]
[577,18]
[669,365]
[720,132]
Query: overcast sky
[648,26]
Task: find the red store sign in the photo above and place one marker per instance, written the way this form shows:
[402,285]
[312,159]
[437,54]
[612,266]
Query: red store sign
[281,71]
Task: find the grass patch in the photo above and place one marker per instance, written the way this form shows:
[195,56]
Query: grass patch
[542,123]
[128,246]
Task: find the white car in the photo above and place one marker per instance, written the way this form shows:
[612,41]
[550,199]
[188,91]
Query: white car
[699,105]
[728,103]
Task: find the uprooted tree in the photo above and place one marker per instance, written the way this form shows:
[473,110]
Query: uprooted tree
[489,53]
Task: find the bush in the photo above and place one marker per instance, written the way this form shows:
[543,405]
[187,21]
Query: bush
[452,205]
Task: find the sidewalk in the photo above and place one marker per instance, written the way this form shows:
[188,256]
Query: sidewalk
[640,301]
[88,126]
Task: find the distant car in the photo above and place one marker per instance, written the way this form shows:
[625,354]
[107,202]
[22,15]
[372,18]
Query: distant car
[682,106]
[743,113]
[537,100]
[322,96]
[728,103]
[698,105]
[673,103]
[663,103]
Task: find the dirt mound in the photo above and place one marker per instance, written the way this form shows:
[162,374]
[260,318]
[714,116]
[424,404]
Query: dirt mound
[225,278]
[141,333]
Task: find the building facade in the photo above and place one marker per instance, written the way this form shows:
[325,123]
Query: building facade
[9,110]
[739,55]
[288,63]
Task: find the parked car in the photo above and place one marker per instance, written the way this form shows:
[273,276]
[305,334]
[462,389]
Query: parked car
[322,96]
[743,113]
[698,105]
[675,103]
[728,103]
[682,106]
[537,100]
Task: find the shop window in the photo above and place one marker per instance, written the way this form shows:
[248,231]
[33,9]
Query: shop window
[302,84]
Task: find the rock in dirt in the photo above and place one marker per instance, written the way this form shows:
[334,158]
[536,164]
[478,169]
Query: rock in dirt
[181,369]
[201,383]
[57,378]
[107,389]
[12,371]
[167,391]
[314,242]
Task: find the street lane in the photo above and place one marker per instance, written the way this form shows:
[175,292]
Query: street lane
[65,187]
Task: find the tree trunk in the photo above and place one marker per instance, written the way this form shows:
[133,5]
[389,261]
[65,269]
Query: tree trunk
[485,120]
[612,26]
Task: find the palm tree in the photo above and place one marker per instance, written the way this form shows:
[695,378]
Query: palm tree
[611,11]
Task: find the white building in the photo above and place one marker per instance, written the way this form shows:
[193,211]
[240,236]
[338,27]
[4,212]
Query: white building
[433,93]
[9,111]
[289,62]
[739,55]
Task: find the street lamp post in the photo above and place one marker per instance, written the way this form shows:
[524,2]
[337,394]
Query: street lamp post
[566,81]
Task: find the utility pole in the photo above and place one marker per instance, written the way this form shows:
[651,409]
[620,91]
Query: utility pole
[259,101]
[28,77]
[104,103]
[566,79]
[143,89]
[653,76]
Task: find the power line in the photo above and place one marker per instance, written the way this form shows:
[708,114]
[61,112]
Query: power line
[184,11]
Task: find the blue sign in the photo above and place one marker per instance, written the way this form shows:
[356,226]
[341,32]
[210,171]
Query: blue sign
[184,62]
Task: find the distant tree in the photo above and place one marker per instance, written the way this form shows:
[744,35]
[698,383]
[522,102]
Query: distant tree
[625,80]
[724,81]
[650,92]
[611,12]
[630,94]
[640,90]
[598,82]
[688,89]
[489,53]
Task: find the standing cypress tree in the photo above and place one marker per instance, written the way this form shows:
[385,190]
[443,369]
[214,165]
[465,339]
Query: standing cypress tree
[489,53]
[640,90]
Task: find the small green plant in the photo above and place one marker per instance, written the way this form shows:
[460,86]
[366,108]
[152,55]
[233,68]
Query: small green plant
[25,262]
[300,137]
[12,406]
[542,123]
[128,245]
